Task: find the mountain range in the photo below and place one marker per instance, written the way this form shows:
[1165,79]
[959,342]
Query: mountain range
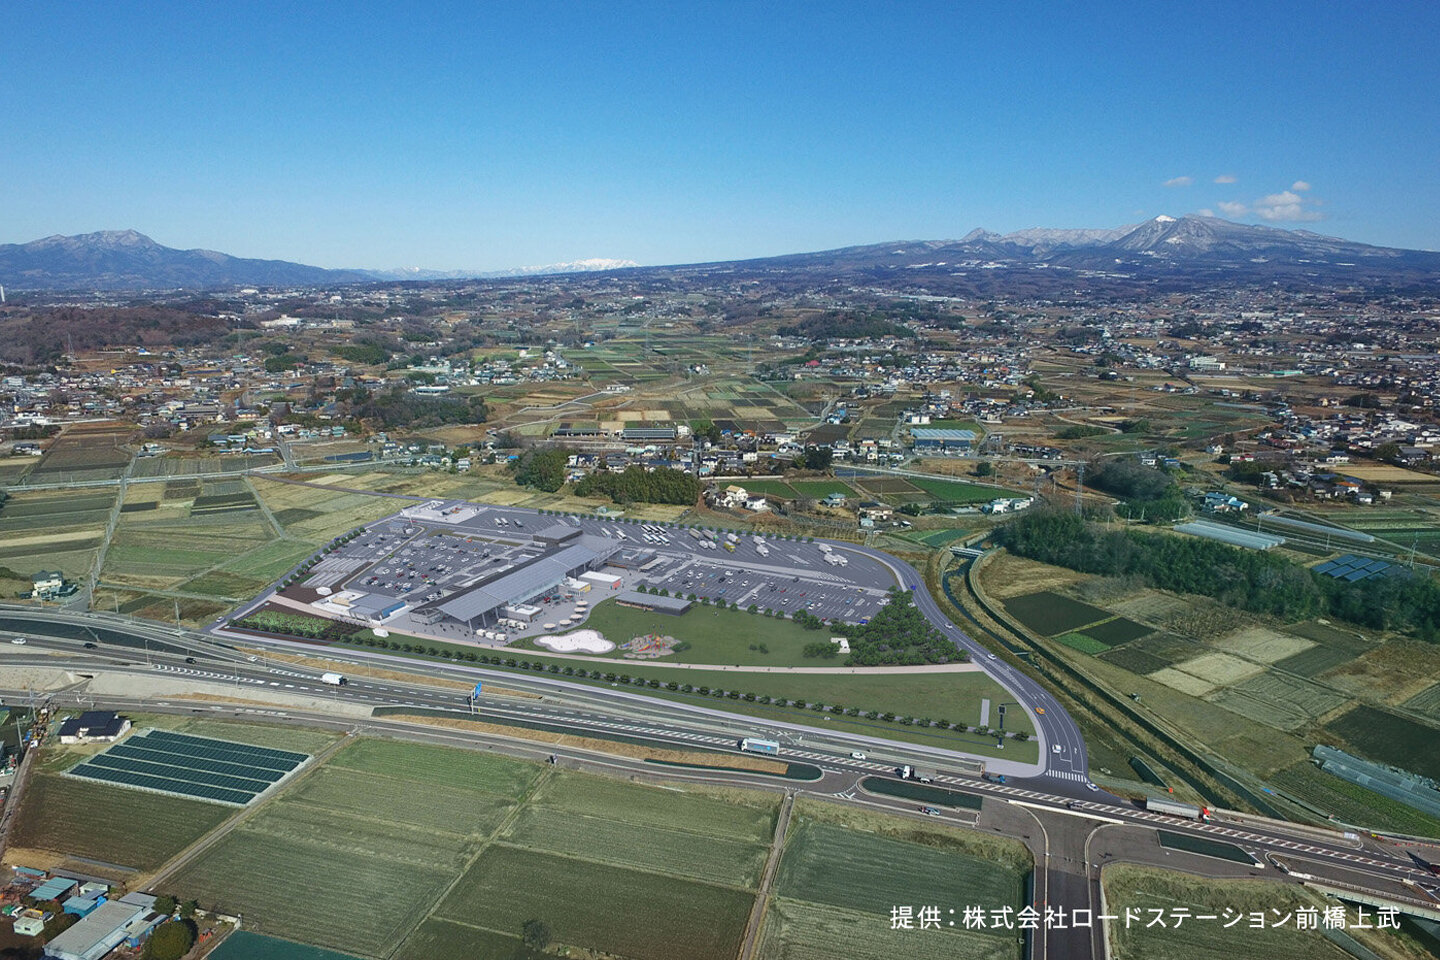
[1165,250]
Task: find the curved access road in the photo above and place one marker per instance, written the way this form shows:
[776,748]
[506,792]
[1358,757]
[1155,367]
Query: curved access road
[1066,769]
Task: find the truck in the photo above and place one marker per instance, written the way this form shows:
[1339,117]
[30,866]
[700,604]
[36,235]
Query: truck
[756,745]
[730,546]
[334,679]
[924,775]
[1187,810]
[993,777]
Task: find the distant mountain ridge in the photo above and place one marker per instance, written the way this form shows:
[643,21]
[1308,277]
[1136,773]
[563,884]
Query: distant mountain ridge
[128,260]
[1170,251]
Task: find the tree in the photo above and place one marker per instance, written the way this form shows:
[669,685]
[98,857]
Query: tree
[818,458]
[170,941]
[535,934]
[984,468]
[165,904]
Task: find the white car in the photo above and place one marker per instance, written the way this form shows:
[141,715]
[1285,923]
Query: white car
[1055,748]
[857,755]
[18,640]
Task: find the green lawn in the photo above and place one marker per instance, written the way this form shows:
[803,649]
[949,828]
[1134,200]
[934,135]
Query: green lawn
[956,491]
[715,635]
[940,696]
[774,488]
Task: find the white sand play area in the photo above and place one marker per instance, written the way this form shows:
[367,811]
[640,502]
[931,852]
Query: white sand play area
[580,641]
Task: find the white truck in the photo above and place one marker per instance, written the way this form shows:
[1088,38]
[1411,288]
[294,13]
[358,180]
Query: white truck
[334,679]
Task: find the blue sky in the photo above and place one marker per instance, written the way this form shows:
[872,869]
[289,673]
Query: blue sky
[481,136]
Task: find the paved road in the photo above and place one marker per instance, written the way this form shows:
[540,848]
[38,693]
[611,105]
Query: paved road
[1063,764]
[1071,838]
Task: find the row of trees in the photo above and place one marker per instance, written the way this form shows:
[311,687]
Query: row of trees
[1256,581]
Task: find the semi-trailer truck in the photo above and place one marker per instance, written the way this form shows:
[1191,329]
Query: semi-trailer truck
[334,679]
[756,745]
[1187,810]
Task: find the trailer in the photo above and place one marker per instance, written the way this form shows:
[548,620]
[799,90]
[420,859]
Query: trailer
[756,745]
[1187,810]
[334,679]
[922,774]
[730,546]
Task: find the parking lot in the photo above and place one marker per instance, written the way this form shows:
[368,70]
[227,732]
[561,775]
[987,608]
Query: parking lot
[447,548]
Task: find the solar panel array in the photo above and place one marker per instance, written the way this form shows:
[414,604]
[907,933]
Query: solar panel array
[202,768]
[1353,568]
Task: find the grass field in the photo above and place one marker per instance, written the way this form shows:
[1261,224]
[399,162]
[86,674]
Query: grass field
[954,491]
[127,828]
[715,635]
[949,696]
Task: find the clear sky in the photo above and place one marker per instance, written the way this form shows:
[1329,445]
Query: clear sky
[477,136]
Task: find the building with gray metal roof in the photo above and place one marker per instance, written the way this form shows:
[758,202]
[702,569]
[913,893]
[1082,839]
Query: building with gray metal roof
[97,934]
[480,605]
[649,601]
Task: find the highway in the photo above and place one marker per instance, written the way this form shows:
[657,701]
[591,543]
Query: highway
[1063,766]
[1071,837]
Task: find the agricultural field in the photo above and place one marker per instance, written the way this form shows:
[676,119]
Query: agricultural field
[82,453]
[1145,889]
[1048,613]
[842,871]
[1255,692]
[245,945]
[715,635]
[129,829]
[53,530]
[346,859]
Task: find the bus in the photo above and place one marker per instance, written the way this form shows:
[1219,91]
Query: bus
[755,745]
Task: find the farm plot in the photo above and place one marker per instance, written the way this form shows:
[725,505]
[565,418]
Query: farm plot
[1114,632]
[1426,702]
[1263,645]
[1145,890]
[1132,658]
[868,872]
[337,895]
[798,930]
[616,910]
[819,489]
[748,819]
[1082,642]
[954,491]
[244,945]
[1388,738]
[771,488]
[1278,700]
[1350,802]
[841,875]
[58,814]
[651,847]
[37,513]
[437,939]
[438,766]
[79,457]
[448,809]
[1048,613]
